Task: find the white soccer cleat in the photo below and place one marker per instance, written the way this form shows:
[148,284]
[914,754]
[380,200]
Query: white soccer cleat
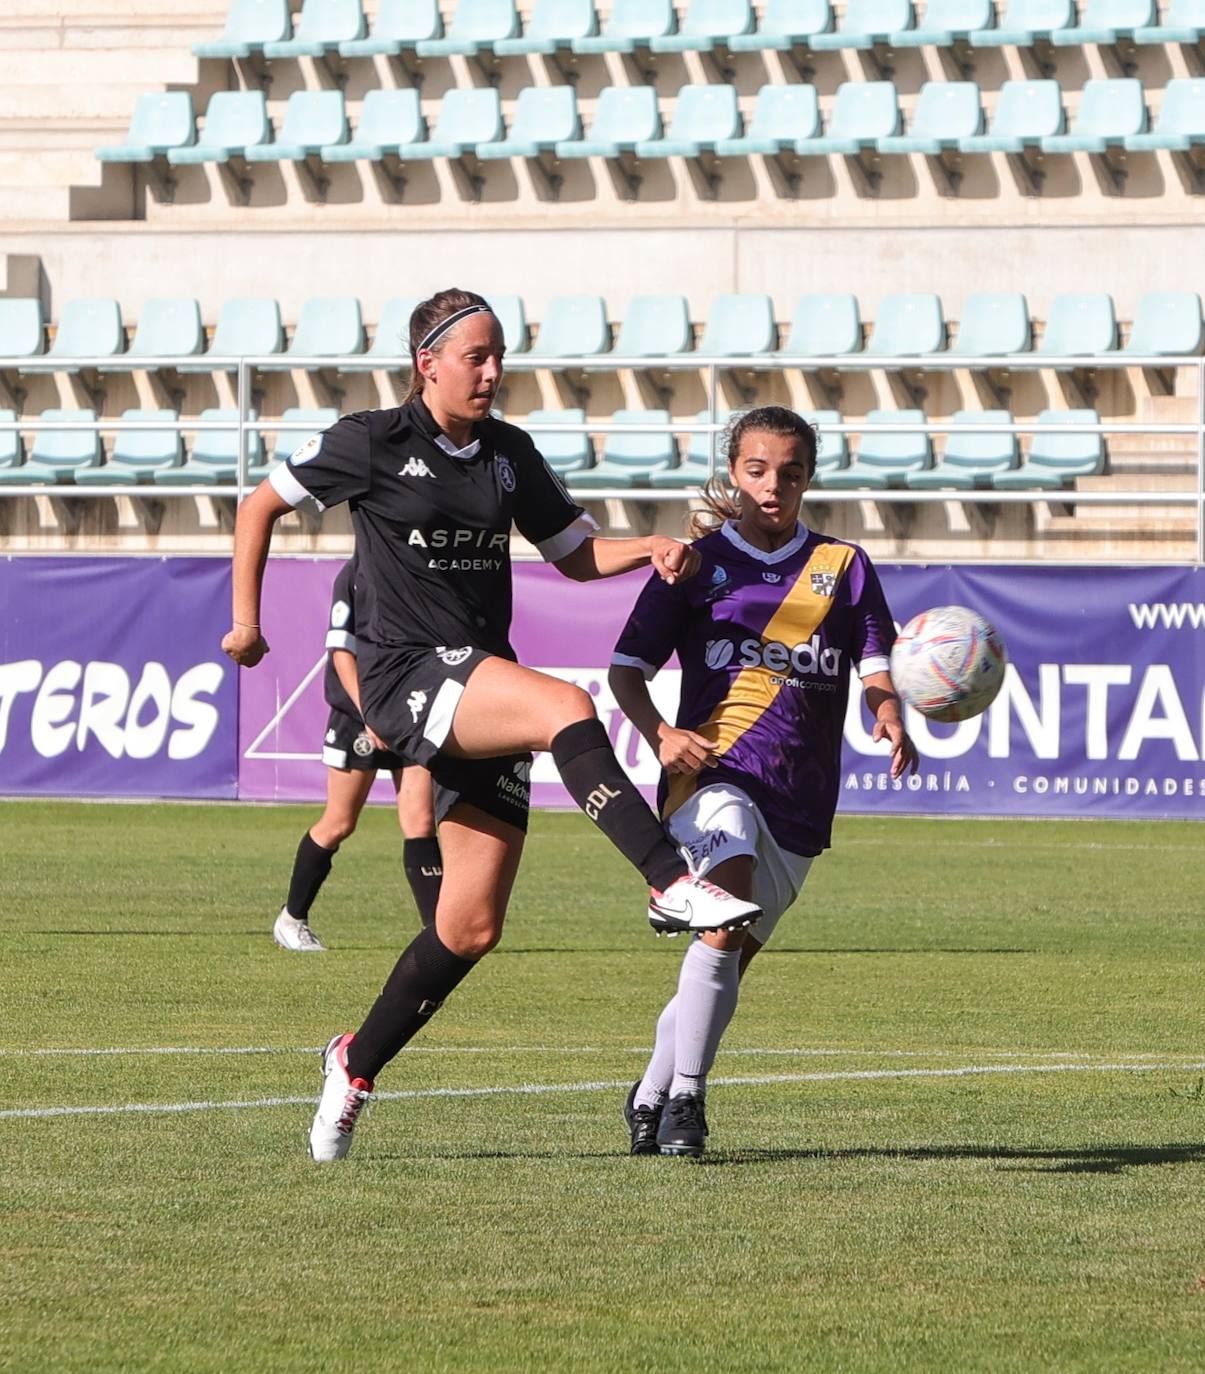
[290,933]
[343,1099]
[693,903]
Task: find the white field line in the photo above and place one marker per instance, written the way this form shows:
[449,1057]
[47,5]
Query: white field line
[545,1089]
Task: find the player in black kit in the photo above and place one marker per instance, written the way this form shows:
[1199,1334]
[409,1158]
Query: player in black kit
[434,487]
[354,755]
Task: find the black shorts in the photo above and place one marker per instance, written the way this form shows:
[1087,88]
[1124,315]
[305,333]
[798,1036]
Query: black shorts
[347,747]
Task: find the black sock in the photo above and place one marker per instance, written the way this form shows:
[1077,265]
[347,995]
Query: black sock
[425,974]
[310,868]
[424,872]
[592,775]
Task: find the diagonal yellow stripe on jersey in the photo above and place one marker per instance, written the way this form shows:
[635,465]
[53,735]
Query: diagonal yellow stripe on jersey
[754,690]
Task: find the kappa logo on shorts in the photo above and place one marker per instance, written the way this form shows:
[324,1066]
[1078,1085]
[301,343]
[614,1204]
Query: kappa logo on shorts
[415,467]
[331,736]
[417,702]
[362,746]
[824,583]
[506,474]
[453,657]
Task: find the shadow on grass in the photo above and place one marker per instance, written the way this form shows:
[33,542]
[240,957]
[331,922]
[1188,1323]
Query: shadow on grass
[902,949]
[1100,1159]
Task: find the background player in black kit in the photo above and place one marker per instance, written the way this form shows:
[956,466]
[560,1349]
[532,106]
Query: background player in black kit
[434,487]
[353,756]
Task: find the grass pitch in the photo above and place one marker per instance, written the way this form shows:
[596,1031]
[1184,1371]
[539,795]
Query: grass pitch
[967,1132]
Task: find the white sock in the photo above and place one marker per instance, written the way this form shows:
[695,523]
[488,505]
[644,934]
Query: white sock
[654,1086]
[708,987]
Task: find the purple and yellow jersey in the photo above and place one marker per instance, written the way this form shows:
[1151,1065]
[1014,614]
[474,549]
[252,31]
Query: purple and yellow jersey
[766,642]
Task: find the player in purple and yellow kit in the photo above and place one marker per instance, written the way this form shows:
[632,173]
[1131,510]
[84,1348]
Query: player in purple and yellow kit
[766,633]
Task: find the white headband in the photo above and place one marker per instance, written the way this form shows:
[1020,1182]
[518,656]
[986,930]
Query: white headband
[444,325]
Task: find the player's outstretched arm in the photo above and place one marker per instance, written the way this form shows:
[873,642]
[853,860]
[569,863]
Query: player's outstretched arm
[253,527]
[884,702]
[678,751]
[596,558]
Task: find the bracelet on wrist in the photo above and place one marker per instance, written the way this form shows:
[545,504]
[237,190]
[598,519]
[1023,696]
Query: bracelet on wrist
[246,625]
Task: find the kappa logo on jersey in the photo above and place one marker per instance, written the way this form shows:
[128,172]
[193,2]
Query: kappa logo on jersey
[506,475]
[310,449]
[453,657]
[340,614]
[824,583]
[417,702]
[362,746]
[415,467]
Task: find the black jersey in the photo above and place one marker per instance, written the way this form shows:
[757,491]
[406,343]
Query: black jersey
[341,634]
[433,523]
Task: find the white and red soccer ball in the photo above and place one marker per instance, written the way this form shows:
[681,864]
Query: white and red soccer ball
[948,663]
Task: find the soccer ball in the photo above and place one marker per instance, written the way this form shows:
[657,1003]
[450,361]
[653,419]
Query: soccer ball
[948,663]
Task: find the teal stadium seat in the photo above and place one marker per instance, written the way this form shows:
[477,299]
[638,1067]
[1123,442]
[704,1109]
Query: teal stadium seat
[57,456]
[392,339]
[544,117]
[467,118]
[322,26]
[866,23]
[1106,22]
[11,452]
[1184,23]
[564,453]
[706,25]
[137,453]
[1027,112]
[1054,460]
[89,329]
[824,326]
[553,27]
[655,325]
[22,327]
[389,120]
[1025,23]
[167,328]
[703,116]
[512,316]
[1167,323]
[573,327]
[994,324]
[739,325]
[1180,123]
[288,441]
[328,327]
[631,26]
[248,327]
[1110,111]
[946,24]
[908,326]
[313,120]
[863,112]
[946,113]
[786,24]
[832,452]
[970,461]
[782,116]
[234,122]
[477,25]
[162,120]
[631,460]
[1079,325]
[213,460]
[249,25]
[399,26]
[884,458]
[695,468]
[624,117]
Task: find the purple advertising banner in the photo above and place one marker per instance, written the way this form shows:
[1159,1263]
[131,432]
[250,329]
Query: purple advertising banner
[1102,711]
[111,680]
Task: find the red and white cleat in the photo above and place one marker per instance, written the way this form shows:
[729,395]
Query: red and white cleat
[343,1099]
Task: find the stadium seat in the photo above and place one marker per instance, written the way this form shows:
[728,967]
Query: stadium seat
[328,327]
[1180,123]
[884,458]
[946,24]
[544,117]
[993,324]
[1167,323]
[22,327]
[554,24]
[467,117]
[624,117]
[476,25]
[739,326]
[1056,459]
[1079,324]
[248,327]
[313,120]
[573,326]
[388,119]
[57,455]
[321,27]
[786,24]
[249,25]
[213,460]
[137,453]
[631,26]
[1025,24]
[1105,22]
[866,23]
[946,113]
[512,316]
[162,120]
[824,326]
[167,328]
[564,453]
[703,115]
[234,122]
[399,26]
[654,326]
[11,452]
[392,339]
[863,112]
[630,460]
[706,25]
[907,326]
[89,329]
[1184,23]
[1027,112]
[832,452]
[970,460]
[1109,113]
[695,468]
[782,116]
[288,441]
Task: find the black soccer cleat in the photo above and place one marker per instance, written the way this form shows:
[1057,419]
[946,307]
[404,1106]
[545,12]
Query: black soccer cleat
[642,1123]
[683,1126]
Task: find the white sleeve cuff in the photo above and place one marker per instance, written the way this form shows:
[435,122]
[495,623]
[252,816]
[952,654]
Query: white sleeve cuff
[573,536]
[874,665]
[289,489]
[649,670]
[340,639]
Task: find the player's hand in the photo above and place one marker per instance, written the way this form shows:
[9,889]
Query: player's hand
[903,752]
[377,741]
[674,560]
[245,645]
[682,751]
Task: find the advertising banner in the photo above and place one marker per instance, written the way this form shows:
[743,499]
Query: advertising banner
[111,680]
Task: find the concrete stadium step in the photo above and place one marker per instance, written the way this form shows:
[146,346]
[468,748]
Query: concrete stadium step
[63,167]
[169,62]
[1184,478]
[85,12]
[1134,524]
